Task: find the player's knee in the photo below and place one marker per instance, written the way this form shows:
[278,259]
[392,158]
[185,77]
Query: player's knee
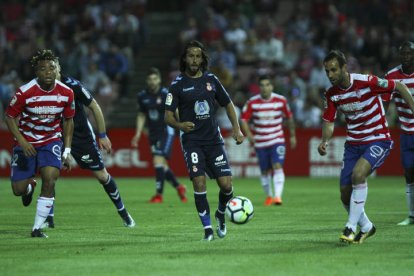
[358,177]
[17,190]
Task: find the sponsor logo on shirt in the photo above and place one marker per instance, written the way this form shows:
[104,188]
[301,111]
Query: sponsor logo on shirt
[382,83]
[188,89]
[208,86]
[220,161]
[202,110]
[13,100]
[169,99]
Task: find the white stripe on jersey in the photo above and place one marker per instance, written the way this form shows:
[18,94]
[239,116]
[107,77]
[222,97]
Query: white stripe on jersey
[268,129]
[52,98]
[268,136]
[269,143]
[40,127]
[45,109]
[268,122]
[365,131]
[367,138]
[271,105]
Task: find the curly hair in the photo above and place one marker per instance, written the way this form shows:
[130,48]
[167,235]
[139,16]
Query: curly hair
[44,54]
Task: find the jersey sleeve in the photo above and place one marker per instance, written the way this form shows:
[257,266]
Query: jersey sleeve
[381,86]
[247,112]
[83,95]
[16,105]
[69,109]
[221,95]
[329,113]
[286,110]
[171,101]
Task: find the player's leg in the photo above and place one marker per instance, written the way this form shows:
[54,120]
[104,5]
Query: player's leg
[111,189]
[277,155]
[22,174]
[265,174]
[166,146]
[158,161]
[218,167]
[195,161]
[407,160]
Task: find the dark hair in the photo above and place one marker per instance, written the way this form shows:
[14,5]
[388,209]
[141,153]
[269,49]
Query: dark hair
[44,54]
[264,77]
[154,71]
[407,44]
[194,44]
[336,54]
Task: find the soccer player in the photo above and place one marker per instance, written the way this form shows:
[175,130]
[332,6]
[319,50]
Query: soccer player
[151,106]
[266,112]
[195,93]
[85,149]
[39,107]
[368,140]
[405,73]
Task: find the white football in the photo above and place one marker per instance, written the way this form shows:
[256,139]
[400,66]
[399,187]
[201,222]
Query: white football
[239,210]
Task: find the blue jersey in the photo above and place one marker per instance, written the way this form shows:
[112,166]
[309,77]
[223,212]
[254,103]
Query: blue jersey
[83,131]
[152,105]
[196,99]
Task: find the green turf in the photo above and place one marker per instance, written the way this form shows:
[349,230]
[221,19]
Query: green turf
[298,238]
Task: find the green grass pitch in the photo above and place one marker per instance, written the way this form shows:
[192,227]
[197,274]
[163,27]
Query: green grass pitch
[298,238]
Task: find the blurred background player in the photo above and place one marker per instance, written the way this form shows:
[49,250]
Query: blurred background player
[368,140]
[195,93]
[151,106]
[85,150]
[39,107]
[405,74]
[266,112]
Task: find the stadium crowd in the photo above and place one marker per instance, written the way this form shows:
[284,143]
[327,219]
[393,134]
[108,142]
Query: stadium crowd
[99,41]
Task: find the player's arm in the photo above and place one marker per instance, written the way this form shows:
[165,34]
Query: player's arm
[171,120]
[327,132]
[292,132]
[68,127]
[231,114]
[104,142]
[27,148]
[246,130]
[405,94]
[140,122]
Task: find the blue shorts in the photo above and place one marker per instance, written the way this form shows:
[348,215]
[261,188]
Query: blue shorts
[23,167]
[163,146]
[375,153]
[407,150]
[210,159]
[271,155]
[87,155]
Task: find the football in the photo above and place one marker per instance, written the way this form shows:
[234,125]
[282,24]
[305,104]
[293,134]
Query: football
[239,210]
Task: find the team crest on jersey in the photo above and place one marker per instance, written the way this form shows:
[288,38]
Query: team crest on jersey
[195,169]
[169,99]
[13,100]
[208,86]
[158,100]
[202,109]
[58,98]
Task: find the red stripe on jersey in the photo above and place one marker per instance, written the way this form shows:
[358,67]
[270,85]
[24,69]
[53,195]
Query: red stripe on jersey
[405,114]
[362,107]
[267,118]
[41,111]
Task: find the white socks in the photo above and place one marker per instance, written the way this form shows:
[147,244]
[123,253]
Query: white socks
[364,223]
[410,198]
[44,204]
[265,179]
[278,182]
[357,204]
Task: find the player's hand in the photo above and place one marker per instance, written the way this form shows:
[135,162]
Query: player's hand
[293,142]
[322,148]
[28,149]
[251,140]
[135,141]
[187,126]
[105,144]
[67,162]
[238,136]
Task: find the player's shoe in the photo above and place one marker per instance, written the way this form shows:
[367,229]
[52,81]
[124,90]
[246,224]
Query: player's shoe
[129,221]
[38,234]
[347,235]
[268,201]
[277,201]
[181,189]
[27,199]
[361,236]
[49,223]
[407,221]
[156,199]
[208,234]
[221,224]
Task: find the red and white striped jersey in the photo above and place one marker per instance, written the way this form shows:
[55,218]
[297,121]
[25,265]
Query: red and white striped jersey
[267,118]
[405,115]
[362,106]
[41,111]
